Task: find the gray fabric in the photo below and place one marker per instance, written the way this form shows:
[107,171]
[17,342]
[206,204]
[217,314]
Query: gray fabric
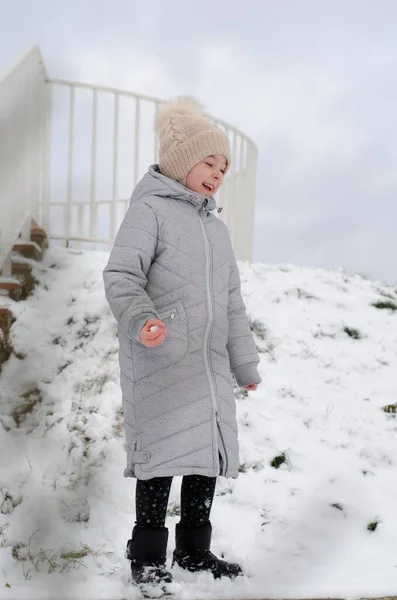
[178,401]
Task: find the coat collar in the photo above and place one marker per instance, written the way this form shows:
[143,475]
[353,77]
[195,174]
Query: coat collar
[170,188]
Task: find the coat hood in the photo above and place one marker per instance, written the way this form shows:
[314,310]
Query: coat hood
[153,183]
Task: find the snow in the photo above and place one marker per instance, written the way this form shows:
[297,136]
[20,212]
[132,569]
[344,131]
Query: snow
[299,531]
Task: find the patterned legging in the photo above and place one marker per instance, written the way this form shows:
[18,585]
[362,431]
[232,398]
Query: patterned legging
[151,500]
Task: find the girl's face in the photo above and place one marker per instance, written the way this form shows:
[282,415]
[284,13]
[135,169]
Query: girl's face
[206,177]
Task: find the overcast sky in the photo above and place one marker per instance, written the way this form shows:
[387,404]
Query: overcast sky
[313,82]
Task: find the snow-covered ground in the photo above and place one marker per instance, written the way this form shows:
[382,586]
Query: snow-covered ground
[329,365]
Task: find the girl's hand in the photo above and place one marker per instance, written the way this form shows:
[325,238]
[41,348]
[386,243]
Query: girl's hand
[252,386]
[154,338]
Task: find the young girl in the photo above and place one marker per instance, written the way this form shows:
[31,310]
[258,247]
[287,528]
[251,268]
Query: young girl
[173,285]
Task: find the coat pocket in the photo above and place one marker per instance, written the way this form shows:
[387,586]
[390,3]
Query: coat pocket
[148,361]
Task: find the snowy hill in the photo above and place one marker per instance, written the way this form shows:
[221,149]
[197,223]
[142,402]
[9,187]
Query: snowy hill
[313,512]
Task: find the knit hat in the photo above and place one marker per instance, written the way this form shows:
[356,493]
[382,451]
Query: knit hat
[186,137]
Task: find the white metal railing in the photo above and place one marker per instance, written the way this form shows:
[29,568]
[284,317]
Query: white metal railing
[24,116]
[71,154]
[103,141]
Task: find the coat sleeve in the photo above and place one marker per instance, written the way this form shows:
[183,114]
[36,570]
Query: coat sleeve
[125,275]
[241,347]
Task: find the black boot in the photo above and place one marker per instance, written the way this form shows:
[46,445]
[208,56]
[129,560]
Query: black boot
[192,552]
[147,551]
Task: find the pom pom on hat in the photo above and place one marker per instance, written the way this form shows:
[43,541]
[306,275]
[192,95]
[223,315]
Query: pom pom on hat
[186,137]
[184,105]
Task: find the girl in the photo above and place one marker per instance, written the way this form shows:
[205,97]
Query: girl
[173,285]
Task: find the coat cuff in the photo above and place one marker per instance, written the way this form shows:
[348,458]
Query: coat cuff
[247,374]
[137,323]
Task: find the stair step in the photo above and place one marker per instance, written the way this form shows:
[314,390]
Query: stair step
[28,249]
[23,271]
[9,283]
[39,236]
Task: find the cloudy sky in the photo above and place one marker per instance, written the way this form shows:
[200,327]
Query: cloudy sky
[313,82]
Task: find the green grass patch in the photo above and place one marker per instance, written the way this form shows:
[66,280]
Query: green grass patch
[372,526]
[390,408]
[385,305]
[353,333]
[278,461]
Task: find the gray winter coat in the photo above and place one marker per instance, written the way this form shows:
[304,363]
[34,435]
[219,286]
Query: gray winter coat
[173,260]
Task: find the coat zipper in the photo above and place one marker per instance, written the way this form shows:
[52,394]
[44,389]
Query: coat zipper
[168,314]
[209,325]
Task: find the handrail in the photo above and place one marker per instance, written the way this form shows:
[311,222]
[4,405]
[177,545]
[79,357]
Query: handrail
[75,214]
[128,93]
